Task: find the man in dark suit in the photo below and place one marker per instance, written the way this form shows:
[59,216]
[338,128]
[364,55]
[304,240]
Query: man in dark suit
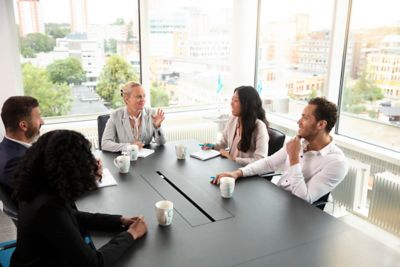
[22,122]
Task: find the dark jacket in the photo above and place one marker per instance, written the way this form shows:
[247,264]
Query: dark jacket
[51,233]
[10,156]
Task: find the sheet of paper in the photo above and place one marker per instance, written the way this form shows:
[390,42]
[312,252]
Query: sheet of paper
[144,152]
[107,180]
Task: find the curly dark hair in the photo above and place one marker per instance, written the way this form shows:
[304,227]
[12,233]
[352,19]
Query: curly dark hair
[250,110]
[59,163]
[325,110]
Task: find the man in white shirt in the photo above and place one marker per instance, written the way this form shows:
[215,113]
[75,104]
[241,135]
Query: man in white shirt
[22,122]
[311,163]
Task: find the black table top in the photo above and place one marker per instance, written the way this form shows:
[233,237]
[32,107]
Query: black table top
[261,225]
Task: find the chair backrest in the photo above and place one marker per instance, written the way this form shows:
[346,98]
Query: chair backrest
[321,202]
[101,125]
[9,205]
[6,251]
[276,140]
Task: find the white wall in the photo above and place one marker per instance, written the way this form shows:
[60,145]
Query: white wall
[10,68]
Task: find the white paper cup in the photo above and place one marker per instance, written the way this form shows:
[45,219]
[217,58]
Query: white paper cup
[180,151]
[226,186]
[164,212]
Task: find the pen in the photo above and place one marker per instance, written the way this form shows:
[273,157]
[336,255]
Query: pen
[207,145]
[212,177]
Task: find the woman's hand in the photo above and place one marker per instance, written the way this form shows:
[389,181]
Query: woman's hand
[235,174]
[207,146]
[226,154]
[127,221]
[99,173]
[138,228]
[158,118]
[138,143]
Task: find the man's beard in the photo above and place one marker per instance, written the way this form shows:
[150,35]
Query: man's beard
[32,133]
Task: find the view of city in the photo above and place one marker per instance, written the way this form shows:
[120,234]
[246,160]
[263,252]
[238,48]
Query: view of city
[76,54]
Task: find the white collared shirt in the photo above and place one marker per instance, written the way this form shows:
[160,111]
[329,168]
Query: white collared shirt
[317,173]
[27,145]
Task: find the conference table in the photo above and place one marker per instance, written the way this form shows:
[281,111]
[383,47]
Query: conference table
[261,225]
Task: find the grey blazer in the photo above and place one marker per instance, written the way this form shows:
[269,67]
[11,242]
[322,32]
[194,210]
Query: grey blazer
[118,131]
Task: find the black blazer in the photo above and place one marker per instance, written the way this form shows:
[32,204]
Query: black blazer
[10,156]
[51,233]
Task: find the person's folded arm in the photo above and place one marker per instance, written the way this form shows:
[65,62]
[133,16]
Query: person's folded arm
[99,221]
[271,163]
[58,229]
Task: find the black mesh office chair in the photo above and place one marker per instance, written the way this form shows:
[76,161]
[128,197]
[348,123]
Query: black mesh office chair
[101,125]
[276,140]
[9,205]
[321,202]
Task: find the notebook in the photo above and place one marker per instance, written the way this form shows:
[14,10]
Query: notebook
[107,179]
[205,154]
[144,152]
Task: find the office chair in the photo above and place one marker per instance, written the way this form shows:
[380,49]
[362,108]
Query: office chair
[9,205]
[276,140]
[321,202]
[6,250]
[101,125]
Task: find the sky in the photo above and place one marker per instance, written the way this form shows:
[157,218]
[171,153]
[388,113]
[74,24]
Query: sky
[366,13]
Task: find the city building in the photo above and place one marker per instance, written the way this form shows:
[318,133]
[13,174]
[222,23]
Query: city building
[29,17]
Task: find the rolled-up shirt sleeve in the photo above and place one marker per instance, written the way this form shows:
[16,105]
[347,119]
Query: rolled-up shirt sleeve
[271,163]
[318,185]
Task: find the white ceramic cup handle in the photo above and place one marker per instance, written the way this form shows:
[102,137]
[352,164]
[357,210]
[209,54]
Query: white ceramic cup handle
[116,163]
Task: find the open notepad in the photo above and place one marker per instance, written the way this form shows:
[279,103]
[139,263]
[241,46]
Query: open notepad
[107,179]
[205,154]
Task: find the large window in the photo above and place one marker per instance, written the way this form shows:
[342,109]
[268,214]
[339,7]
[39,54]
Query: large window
[190,52]
[76,53]
[293,51]
[371,85]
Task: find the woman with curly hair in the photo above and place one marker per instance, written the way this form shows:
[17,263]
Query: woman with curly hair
[245,137]
[55,171]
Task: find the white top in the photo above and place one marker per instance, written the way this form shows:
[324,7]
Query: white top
[317,173]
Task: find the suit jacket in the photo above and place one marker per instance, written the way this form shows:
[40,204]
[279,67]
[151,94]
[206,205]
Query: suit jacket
[51,233]
[10,155]
[118,131]
[259,142]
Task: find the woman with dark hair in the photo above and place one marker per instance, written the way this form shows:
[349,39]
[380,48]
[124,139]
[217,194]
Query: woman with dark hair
[55,171]
[245,138]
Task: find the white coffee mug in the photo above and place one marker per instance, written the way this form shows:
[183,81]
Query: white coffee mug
[164,212]
[180,151]
[133,151]
[123,163]
[227,186]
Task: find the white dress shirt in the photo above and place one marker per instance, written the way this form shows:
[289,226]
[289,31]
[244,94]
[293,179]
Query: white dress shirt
[317,173]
